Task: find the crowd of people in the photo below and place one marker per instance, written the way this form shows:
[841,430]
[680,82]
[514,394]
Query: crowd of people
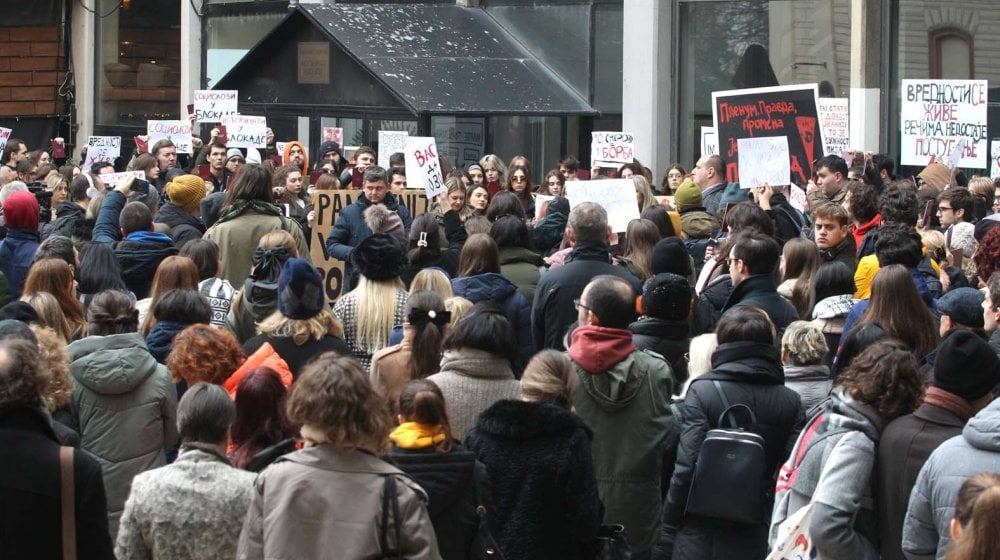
[503,376]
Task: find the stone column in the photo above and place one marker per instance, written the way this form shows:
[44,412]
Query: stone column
[84,38]
[191,55]
[647,92]
[866,74]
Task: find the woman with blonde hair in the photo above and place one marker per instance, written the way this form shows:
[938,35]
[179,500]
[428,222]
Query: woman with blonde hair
[55,276]
[458,306]
[59,187]
[977,512]
[50,314]
[173,273]
[494,171]
[258,297]
[345,424]
[643,192]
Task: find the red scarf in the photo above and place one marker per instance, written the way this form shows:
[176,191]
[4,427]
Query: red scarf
[950,402]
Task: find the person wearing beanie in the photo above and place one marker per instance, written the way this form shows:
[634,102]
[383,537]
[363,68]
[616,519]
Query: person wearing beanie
[303,326]
[183,211]
[665,324]
[475,171]
[17,250]
[379,219]
[696,222]
[329,150]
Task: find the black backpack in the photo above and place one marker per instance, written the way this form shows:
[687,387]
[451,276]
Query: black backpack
[730,476]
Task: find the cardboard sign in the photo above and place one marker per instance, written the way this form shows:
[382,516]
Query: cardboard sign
[789,111]
[391,142]
[102,148]
[210,105]
[4,136]
[612,147]
[995,159]
[763,160]
[616,196]
[934,114]
[709,141]
[333,134]
[112,180]
[178,132]
[245,131]
[423,169]
[329,205]
[835,122]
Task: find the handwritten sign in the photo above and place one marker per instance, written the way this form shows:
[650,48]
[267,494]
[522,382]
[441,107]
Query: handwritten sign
[391,142]
[280,148]
[210,105]
[616,196]
[102,148]
[112,180]
[423,169]
[612,147]
[333,134]
[995,159]
[763,160]
[709,141]
[4,136]
[329,205]
[798,198]
[789,111]
[245,131]
[934,114]
[178,132]
[835,122]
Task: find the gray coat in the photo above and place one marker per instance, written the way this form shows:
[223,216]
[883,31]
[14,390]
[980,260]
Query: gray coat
[125,404]
[812,383]
[926,531]
[471,381]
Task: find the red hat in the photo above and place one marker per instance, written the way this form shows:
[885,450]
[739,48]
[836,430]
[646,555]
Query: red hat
[20,211]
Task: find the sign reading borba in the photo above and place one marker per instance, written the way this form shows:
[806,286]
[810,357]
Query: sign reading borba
[933,116]
[178,132]
[611,147]
[423,169]
[210,105]
[245,131]
[788,111]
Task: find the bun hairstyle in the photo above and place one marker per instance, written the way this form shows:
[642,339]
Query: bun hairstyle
[112,312]
[977,511]
[421,401]
[549,378]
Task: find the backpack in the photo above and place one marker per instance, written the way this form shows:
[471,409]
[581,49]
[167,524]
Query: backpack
[730,481]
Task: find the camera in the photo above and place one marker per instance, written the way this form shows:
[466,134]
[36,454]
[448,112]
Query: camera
[44,198]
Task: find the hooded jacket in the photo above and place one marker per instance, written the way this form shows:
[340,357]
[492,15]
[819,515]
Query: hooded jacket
[471,381]
[760,291]
[350,230]
[494,287]
[669,339]
[17,252]
[926,532]
[255,302]
[541,473]
[697,223]
[812,383]
[239,236]
[624,396]
[183,226]
[71,221]
[125,404]
[522,267]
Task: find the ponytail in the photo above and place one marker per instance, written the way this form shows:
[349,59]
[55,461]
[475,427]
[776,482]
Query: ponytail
[421,401]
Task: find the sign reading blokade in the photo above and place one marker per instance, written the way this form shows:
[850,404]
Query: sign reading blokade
[210,105]
[935,114]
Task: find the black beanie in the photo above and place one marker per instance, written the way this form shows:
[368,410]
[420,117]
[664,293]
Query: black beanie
[670,255]
[966,366]
[380,257]
[667,296]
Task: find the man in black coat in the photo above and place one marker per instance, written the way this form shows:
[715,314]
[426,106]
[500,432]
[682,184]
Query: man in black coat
[752,262]
[553,311]
[665,324]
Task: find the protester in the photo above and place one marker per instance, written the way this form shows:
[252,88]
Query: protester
[799,262]
[641,237]
[261,431]
[258,298]
[183,211]
[219,292]
[55,277]
[752,261]
[17,249]
[519,263]
[665,324]
[972,528]
[173,273]
[803,355]
[99,271]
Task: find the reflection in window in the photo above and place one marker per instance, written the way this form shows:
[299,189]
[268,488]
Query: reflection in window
[951,54]
[535,137]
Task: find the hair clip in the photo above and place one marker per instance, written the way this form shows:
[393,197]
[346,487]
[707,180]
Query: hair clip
[423,239]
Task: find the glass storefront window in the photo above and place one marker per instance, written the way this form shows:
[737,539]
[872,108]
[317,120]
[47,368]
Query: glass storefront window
[228,38]
[460,140]
[537,138]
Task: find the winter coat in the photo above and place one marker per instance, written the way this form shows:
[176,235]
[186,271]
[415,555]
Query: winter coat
[346,310]
[541,472]
[298,355]
[160,339]
[844,252]
[255,302]
[183,226]
[32,502]
[471,380]
[547,234]
[669,339]
[843,521]
[351,229]
[392,367]
[139,255]
[188,510]
[624,396]
[450,480]
[522,267]
[238,237]
[760,291]
[340,494]
[750,373]
[494,287]
[818,197]
[926,531]
[697,223]
[906,444]
[125,404]
[17,252]
[812,383]
[552,312]
[71,221]
[788,221]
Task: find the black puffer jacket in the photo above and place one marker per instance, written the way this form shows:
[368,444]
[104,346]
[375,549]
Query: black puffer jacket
[750,373]
[183,226]
[761,292]
[71,221]
[667,338]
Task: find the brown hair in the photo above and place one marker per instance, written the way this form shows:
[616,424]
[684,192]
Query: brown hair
[886,377]
[977,511]
[425,357]
[480,254]
[640,238]
[801,262]
[898,308]
[832,212]
[52,351]
[22,379]
[50,314]
[111,312]
[173,273]
[421,401]
[204,353]
[55,276]
[549,378]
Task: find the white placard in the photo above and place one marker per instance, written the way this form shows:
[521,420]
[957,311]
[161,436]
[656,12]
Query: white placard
[102,148]
[280,148]
[423,169]
[112,180]
[995,159]
[763,160]
[178,132]
[245,131]
[934,114]
[709,141]
[798,198]
[835,122]
[612,147]
[956,153]
[616,196]
[391,142]
[4,136]
[210,104]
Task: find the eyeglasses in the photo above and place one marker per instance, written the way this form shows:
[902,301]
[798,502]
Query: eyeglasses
[943,208]
[578,306]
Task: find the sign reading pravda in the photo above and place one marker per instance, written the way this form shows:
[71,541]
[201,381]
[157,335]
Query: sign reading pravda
[328,205]
[934,114]
[245,131]
[211,104]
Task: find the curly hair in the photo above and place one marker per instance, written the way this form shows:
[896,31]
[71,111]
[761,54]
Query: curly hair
[52,350]
[204,353]
[987,257]
[22,379]
[886,377]
[334,396]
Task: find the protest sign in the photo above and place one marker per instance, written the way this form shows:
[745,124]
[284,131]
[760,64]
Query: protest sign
[4,136]
[798,198]
[763,160]
[210,105]
[102,148]
[112,180]
[280,148]
[178,132]
[390,142]
[709,141]
[995,159]
[333,134]
[423,169]
[329,205]
[612,147]
[835,122]
[788,111]
[934,114]
[616,196]
[245,131]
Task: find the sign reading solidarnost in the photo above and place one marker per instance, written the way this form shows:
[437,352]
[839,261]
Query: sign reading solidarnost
[709,141]
[102,148]
[329,205]
[995,159]
[178,132]
[423,168]
[616,196]
[835,122]
[211,104]
[245,131]
[112,180]
[612,147]
[763,160]
[789,111]
[390,142]
[934,114]
[4,136]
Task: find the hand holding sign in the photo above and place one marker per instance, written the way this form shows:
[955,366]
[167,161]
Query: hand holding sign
[763,160]
[178,132]
[422,166]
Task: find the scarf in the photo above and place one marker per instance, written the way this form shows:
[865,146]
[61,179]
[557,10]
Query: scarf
[949,401]
[412,435]
[241,207]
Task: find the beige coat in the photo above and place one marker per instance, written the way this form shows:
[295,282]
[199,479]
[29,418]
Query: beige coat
[323,503]
[392,368]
